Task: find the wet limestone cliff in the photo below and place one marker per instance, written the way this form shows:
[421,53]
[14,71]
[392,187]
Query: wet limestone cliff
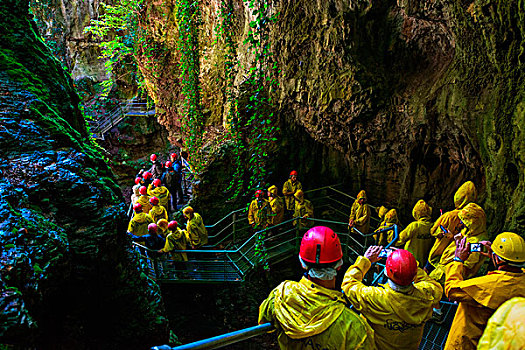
[72,281]
[406,100]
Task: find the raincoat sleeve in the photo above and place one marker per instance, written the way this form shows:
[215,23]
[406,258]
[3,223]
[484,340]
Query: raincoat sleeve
[266,310]
[361,296]
[287,189]
[353,211]
[366,215]
[405,235]
[454,273]
[423,280]
[170,243]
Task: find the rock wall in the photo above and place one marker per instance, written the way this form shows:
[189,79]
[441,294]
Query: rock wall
[406,100]
[72,281]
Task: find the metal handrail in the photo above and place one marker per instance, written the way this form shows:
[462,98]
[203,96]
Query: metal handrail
[223,340]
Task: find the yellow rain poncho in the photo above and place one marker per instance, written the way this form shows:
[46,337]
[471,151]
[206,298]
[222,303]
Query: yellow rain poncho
[289,189]
[158,212]
[390,218]
[277,207]
[479,297]
[161,193]
[176,241]
[360,214]
[466,194]
[475,221]
[259,213]
[138,225]
[196,233]
[381,212]
[397,318]
[416,236]
[144,201]
[506,328]
[309,316]
[303,209]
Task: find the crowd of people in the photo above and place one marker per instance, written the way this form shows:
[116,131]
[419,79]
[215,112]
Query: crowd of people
[434,260]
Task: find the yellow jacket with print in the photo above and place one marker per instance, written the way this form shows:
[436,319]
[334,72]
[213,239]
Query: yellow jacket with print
[416,236]
[397,318]
[309,316]
[478,299]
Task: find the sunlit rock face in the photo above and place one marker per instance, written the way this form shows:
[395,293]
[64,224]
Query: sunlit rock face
[407,100]
[72,281]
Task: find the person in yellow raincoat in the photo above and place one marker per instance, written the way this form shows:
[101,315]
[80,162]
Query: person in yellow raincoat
[416,236]
[155,189]
[360,214]
[312,313]
[466,194]
[138,225]
[144,200]
[390,218]
[304,209]
[259,211]
[480,297]
[381,212]
[475,229]
[196,233]
[276,205]
[505,329]
[397,311]
[157,211]
[175,240]
[290,187]
[162,225]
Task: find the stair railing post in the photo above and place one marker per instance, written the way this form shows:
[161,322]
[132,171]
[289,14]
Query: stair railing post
[234,226]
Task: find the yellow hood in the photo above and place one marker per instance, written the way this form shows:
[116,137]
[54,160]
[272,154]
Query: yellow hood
[421,210]
[466,194]
[473,216]
[305,309]
[382,211]
[391,217]
[361,194]
[140,218]
[273,190]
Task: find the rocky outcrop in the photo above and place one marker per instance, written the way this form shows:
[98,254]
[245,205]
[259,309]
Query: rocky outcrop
[406,100]
[72,281]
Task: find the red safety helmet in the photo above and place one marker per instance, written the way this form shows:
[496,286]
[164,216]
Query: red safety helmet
[320,245]
[152,228]
[168,164]
[293,172]
[137,207]
[401,267]
[173,156]
[157,183]
[137,180]
[154,201]
[143,190]
[153,157]
[259,193]
[173,225]
[147,175]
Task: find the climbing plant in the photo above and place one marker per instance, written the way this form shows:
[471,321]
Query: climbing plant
[188,18]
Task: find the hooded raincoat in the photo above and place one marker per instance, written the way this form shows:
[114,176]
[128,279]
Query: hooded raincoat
[465,194]
[360,214]
[158,212]
[176,241]
[381,212]
[506,328]
[397,318]
[161,193]
[390,218]
[416,236]
[309,316]
[259,213]
[136,194]
[196,233]
[479,297]
[138,225]
[303,208]
[289,189]
[277,206]
[475,221]
[146,205]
